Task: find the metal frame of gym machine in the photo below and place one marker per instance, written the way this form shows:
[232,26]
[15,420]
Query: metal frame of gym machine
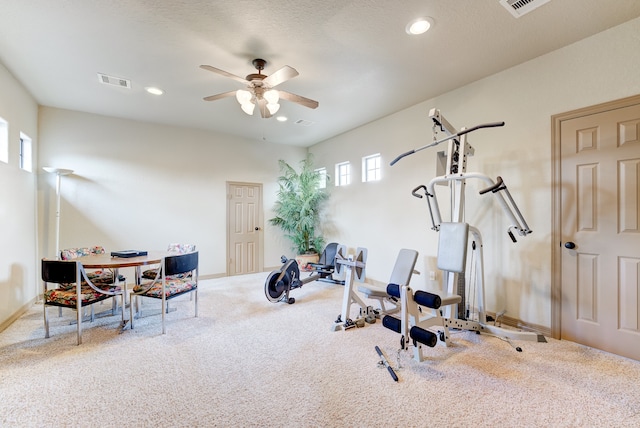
[455,176]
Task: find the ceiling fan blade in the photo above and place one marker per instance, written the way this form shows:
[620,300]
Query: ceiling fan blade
[218,96]
[298,99]
[224,73]
[264,111]
[279,76]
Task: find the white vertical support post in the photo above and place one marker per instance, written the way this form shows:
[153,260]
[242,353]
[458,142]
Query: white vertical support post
[57,216]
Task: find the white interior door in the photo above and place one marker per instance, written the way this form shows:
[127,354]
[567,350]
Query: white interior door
[244,228]
[600,230]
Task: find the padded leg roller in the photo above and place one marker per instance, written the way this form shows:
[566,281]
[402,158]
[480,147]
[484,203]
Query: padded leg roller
[393,290]
[427,299]
[423,336]
[392,323]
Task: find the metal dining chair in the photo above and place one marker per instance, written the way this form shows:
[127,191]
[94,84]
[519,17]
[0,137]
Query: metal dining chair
[177,275]
[73,289]
[172,249]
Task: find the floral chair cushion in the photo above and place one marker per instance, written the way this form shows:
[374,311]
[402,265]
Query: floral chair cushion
[181,248]
[173,249]
[68,297]
[173,287]
[74,253]
[98,277]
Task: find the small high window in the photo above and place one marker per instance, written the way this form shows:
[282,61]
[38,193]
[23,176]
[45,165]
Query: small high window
[4,141]
[26,153]
[343,174]
[371,170]
[322,177]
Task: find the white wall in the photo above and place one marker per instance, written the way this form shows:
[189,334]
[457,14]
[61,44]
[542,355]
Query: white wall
[384,217]
[142,186]
[18,207]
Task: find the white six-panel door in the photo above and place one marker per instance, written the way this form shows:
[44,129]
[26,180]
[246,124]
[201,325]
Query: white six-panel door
[600,230]
[244,228]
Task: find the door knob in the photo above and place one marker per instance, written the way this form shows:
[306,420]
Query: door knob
[570,245]
[257,228]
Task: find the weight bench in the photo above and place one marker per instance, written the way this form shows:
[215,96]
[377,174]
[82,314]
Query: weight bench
[422,310]
[401,275]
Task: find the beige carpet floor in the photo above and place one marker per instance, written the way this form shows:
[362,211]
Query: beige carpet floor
[245,362]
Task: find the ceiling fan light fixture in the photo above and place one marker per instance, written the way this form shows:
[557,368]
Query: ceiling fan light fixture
[260,89]
[243,96]
[248,107]
[273,108]
[419,26]
[272,96]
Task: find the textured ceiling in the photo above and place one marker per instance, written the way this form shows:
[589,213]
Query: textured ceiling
[354,57]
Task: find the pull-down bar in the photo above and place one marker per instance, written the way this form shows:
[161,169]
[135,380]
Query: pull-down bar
[450,137]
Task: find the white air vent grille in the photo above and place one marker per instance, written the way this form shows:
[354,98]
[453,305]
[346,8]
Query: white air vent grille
[115,81]
[303,122]
[518,8]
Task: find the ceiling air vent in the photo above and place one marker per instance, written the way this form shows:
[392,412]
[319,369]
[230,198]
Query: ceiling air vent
[522,7]
[115,81]
[303,122]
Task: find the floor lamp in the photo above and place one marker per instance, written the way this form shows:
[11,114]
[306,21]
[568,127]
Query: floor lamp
[58,172]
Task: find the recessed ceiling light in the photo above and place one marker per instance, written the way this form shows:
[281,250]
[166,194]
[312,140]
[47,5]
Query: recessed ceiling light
[419,26]
[281,118]
[154,90]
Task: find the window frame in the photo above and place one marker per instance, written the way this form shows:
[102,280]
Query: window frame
[376,171]
[4,140]
[322,177]
[26,152]
[343,174]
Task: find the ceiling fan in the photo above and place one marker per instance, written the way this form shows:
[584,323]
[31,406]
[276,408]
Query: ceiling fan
[260,89]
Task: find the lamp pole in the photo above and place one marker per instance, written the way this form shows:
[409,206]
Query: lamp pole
[58,172]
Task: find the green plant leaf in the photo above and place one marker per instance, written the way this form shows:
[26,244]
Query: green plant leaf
[298,205]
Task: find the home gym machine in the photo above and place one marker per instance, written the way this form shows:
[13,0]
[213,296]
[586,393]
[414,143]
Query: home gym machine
[280,282]
[421,310]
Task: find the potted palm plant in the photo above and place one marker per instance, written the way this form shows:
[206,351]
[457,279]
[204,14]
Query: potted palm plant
[297,209]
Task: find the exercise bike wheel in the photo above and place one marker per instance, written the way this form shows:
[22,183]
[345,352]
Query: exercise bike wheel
[274,289]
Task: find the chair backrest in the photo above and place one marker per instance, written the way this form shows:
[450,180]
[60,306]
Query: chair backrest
[60,272]
[74,253]
[403,269]
[181,248]
[180,263]
[328,256]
